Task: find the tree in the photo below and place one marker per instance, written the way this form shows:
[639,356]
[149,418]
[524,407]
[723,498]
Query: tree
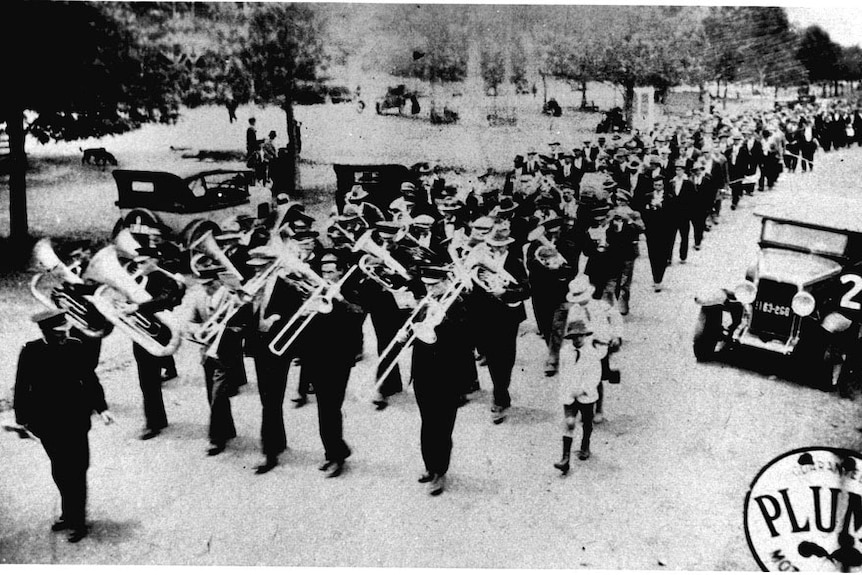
[98,80]
[284,48]
[851,63]
[820,55]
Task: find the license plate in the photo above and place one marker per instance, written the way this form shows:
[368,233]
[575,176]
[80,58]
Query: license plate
[769,307]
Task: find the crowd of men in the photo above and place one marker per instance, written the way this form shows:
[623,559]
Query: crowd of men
[444,271]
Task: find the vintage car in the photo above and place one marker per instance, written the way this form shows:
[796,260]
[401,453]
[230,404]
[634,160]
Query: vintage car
[381,181]
[185,207]
[801,298]
[396,98]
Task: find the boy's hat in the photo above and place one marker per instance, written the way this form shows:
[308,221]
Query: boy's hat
[580,290]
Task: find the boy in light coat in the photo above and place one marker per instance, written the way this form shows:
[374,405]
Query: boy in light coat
[579,378]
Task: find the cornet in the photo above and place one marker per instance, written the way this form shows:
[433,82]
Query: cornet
[156,333]
[81,313]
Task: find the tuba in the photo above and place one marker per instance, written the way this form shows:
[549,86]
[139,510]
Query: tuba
[81,313]
[496,279]
[157,333]
[128,248]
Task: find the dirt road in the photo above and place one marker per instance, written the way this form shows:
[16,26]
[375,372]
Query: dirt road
[664,488]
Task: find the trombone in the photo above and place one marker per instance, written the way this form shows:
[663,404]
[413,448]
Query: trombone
[375,251]
[432,311]
[320,301]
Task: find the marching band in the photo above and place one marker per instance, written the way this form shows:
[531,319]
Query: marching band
[443,272]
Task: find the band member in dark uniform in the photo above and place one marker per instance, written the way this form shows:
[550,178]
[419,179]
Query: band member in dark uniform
[436,383]
[278,302]
[56,392]
[166,294]
[549,275]
[498,313]
[329,344]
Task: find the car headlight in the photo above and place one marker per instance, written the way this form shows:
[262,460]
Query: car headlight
[802,304]
[745,292]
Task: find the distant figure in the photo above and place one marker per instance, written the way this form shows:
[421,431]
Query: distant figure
[251,143]
[268,153]
[231,110]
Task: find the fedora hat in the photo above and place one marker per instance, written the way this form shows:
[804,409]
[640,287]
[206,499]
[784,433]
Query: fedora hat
[499,238]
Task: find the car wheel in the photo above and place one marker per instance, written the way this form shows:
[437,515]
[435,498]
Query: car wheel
[141,217]
[707,333]
[377,108]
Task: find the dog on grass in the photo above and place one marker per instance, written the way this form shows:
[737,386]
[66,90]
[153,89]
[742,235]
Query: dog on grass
[97,157]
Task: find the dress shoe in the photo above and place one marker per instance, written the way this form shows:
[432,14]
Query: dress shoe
[584,454]
[149,434]
[325,465]
[498,414]
[61,525]
[215,449]
[550,368]
[77,534]
[437,485]
[683,261]
[268,465]
[563,465]
[299,401]
[697,247]
[657,287]
[426,477]
[336,470]
[168,375]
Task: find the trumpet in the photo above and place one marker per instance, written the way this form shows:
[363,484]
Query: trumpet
[320,301]
[81,313]
[156,333]
[432,310]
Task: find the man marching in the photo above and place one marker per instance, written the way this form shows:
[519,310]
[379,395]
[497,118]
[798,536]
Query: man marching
[56,392]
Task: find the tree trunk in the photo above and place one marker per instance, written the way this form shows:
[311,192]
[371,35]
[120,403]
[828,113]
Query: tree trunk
[628,102]
[292,175]
[583,94]
[724,97]
[19,233]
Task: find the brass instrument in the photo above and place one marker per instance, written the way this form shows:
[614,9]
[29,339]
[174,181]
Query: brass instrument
[210,332]
[158,333]
[206,246]
[496,279]
[320,301]
[128,248]
[432,311]
[540,234]
[369,266]
[80,312]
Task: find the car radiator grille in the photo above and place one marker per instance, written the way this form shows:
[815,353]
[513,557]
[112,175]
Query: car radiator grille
[771,316]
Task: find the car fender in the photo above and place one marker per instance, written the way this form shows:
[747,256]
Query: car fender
[711,298]
[835,323]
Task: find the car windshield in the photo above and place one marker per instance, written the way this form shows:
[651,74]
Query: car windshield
[791,235]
